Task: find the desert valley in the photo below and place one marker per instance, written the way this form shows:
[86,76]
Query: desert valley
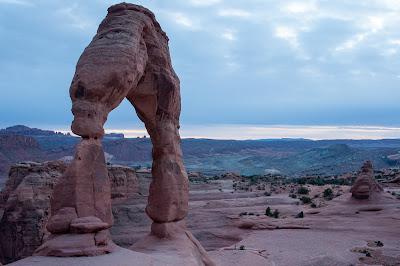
[308,214]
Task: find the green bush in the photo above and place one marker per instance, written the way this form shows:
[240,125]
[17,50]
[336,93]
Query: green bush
[302,190]
[268,212]
[293,196]
[328,192]
[267,193]
[305,200]
[300,215]
[242,248]
[276,214]
[313,205]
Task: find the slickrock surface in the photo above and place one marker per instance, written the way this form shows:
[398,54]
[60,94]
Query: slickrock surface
[366,187]
[339,232]
[121,257]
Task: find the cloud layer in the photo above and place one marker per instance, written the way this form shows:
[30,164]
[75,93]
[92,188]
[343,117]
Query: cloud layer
[312,62]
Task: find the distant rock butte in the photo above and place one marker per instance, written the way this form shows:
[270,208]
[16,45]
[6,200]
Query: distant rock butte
[17,148]
[128,58]
[365,185]
[27,131]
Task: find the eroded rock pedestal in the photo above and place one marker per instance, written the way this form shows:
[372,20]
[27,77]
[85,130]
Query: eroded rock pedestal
[128,58]
[365,185]
[81,206]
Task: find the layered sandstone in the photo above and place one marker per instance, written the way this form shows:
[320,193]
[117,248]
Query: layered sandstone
[365,185]
[25,201]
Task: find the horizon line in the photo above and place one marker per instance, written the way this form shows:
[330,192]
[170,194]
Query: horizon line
[275,132]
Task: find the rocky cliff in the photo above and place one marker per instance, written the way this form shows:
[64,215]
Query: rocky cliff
[25,201]
[17,148]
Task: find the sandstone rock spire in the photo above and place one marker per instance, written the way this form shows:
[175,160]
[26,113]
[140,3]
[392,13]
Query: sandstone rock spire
[365,185]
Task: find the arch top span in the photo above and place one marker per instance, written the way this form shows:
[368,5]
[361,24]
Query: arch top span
[128,58]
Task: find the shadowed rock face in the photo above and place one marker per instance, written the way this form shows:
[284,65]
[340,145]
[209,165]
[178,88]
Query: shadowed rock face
[128,58]
[365,185]
[25,201]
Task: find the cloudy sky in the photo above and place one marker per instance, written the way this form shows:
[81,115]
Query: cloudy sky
[248,69]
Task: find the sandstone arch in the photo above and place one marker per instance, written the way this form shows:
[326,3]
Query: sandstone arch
[128,58]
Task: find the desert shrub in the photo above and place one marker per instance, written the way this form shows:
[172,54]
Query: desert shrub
[293,196]
[300,215]
[316,196]
[328,192]
[379,243]
[305,200]
[301,181]
[302,190]
[276,214]
[321,181]
[313,205]
[329,197]
[243,213]
[250,213]
[242,248]
[268,212]
[291,191]
[267,193]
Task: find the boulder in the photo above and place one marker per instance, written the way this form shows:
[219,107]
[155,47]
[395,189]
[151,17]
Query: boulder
[60,223]
[88,224]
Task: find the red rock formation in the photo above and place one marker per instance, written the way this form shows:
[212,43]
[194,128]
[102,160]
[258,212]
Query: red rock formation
[128,58]
[17,148]
[23,226]
[232,176]
[26,203]
[124,182]
[366,185]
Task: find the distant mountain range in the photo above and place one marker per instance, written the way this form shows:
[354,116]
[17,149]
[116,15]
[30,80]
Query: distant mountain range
[287,156]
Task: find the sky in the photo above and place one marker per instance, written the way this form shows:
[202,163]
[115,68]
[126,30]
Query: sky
[249,69]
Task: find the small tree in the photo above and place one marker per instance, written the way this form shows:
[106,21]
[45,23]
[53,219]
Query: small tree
[276,214]
[268,212]
[302,190]
[328,192]
[300,215]
[305,200]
